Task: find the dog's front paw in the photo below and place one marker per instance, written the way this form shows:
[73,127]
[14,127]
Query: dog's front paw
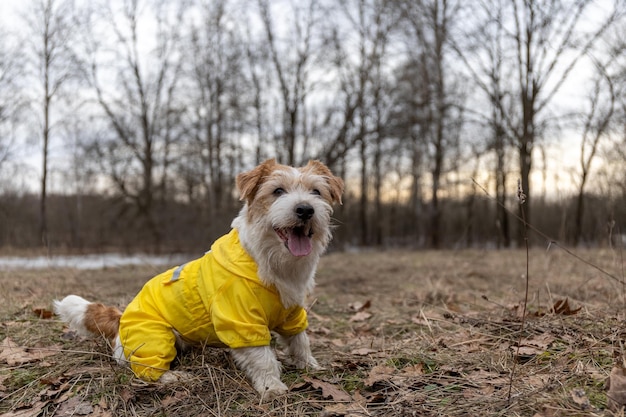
[303,363]
[270,388]
[312,364]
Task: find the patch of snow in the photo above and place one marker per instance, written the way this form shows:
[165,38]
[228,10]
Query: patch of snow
[98,261]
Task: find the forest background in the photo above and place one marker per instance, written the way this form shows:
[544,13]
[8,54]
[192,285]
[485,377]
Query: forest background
[123,123]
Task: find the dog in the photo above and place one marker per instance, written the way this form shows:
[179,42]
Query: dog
[250,285]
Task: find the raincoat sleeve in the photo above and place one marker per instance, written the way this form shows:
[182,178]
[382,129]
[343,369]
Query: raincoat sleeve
[296,322]
[239,318]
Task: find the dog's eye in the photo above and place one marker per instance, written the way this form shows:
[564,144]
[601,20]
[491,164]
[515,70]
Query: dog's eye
[279,191]
[316,192]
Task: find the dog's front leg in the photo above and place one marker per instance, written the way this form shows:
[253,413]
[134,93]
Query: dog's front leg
[262,368]
[299,352]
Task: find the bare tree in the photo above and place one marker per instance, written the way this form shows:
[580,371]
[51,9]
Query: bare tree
[11,102]
[49,37]
[142,109]
[481,47]
[217,99]
[595,126]
[429,24]
[358,118]
[549,43]
[291,62]
[257,61]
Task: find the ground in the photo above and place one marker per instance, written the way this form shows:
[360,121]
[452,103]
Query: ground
[399,333]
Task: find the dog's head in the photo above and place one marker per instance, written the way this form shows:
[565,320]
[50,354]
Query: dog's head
[291,205]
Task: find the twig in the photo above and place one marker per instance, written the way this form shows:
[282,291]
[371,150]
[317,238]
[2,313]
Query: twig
[521,197]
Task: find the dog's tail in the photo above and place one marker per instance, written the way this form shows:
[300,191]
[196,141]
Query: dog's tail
[87,318]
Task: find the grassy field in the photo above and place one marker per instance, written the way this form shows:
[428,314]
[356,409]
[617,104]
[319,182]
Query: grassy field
[398,333]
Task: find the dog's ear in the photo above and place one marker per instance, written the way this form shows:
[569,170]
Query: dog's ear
[335,183]
[248,182]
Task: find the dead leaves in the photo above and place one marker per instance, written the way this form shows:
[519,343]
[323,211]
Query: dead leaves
[13,354]
[616,389]
[66,398]
[560,307]
[390,375]
[579,397]
[345,405]
[329,391]
[359,309]
[532,346]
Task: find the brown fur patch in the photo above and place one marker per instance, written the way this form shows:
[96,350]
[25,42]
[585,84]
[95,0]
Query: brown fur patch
[100,319]
[248,182]
[335,183]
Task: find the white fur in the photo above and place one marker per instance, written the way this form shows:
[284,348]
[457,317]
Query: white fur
[292,276]
[72,310]
[262,368]
[299,352]
[118,351]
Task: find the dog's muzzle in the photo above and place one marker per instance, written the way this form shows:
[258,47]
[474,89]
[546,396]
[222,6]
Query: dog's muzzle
[297,239]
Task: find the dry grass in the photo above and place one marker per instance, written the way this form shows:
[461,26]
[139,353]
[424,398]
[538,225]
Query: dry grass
[399,333]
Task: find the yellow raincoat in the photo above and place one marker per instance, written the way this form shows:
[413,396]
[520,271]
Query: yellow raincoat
[216,300]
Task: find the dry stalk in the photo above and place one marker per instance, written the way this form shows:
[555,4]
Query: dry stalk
[521,197]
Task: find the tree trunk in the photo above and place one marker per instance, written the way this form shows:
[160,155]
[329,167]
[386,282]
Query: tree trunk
[363,200]
[502,218]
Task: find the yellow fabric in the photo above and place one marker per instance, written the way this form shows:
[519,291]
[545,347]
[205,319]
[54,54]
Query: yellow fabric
[217,300]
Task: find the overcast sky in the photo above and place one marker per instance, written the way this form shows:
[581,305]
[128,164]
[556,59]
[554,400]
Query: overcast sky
[562,153]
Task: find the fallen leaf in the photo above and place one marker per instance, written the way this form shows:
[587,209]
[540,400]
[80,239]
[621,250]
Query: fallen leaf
[537,381]
[483,377]
[74,406]
[345,410]
[173,399]
[413,370]
[338,342]
[103,403]
[616,389]
[533,346]
[541,341]
[580,398]
[562,307]
[33,411]
[100,412]
[526,352]
[329,390]
[127,394]
[4,377]
[360,316]
[359,306]
[321,330]
[313,314]
[363,351]
[378,374]
[536,345]
[548,412]
[13,354]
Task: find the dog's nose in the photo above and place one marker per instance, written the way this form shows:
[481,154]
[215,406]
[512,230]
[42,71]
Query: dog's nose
[304,211]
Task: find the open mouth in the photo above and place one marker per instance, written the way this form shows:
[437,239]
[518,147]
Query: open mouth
[296,239]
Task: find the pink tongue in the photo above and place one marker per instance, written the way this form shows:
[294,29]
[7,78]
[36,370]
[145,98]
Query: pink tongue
[298,244]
